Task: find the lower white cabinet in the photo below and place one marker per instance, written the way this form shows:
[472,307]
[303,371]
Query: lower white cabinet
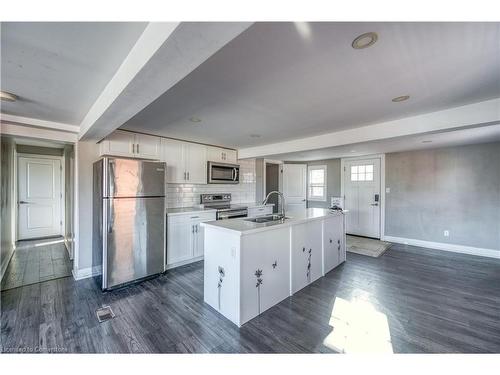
[260,211]
[333,243]
[185,237]
[307,254]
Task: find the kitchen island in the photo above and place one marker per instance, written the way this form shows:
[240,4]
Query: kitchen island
[251,266]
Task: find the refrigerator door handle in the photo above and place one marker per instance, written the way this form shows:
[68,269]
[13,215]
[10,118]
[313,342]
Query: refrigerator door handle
[110,216]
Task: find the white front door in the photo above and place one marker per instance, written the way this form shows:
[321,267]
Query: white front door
[39,197]
[294,186]
[362,197]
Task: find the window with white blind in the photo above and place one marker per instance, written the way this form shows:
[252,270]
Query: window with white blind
[316,189]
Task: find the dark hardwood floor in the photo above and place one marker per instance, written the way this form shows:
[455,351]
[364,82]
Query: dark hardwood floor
[35,261]
[415,300]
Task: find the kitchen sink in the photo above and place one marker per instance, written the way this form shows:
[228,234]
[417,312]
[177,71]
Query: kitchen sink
[267,219]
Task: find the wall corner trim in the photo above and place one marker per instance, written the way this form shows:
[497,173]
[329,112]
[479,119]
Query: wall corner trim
[5,264]
[84,273]
[490,253]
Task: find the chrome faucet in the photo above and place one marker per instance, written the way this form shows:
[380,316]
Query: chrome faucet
[282,201]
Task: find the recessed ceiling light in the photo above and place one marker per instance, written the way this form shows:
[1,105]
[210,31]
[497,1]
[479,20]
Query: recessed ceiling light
[353,150]
[255,135]
[365,40]
[7,96]
[401,98]
[195,119]
[427,141]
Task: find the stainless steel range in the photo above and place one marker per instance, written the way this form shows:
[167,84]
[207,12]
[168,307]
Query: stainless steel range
[222,203]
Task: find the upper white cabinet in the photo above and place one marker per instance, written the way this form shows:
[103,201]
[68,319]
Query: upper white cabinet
[196,163]
[131,145]
[222,155]
[147,146]
[186,162]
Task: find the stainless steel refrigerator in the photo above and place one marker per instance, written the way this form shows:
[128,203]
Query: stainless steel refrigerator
[129,219]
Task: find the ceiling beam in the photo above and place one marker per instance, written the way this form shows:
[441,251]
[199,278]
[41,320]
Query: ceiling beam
[164,54]
[26,131]
[39,123]
[471,115]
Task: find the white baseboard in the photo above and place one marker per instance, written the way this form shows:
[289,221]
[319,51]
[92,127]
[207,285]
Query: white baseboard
[183,263]
[6,264]
[79,274]
[491,253]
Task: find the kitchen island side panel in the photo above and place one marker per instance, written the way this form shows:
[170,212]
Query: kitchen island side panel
[221,286]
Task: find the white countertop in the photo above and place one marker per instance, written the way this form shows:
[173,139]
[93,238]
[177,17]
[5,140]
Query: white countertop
[242,227]
[197,209]
[188,210]
[255,204]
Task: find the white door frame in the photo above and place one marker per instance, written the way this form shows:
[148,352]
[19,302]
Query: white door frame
[343,161]
[280,181]
[61,184]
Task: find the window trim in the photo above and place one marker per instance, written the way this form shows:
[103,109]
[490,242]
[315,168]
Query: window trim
[325,185]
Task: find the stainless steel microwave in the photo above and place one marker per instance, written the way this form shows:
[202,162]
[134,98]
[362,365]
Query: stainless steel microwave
[222,173]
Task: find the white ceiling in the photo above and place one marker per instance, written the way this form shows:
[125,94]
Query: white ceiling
[286,82]
[59,69]
[481,134]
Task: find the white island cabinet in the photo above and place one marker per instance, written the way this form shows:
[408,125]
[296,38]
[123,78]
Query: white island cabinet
[250,267]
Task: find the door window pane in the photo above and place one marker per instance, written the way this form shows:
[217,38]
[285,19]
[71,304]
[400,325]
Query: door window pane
[362,172]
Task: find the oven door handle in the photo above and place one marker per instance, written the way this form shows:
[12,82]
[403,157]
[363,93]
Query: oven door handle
[235,174]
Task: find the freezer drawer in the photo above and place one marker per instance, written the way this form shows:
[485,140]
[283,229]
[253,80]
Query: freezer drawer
[134,230]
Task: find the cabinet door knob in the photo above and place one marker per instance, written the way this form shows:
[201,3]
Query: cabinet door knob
[331,240]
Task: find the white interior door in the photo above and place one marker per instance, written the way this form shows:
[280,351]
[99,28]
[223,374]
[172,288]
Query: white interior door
[40,198]
[362,197]
[294,186]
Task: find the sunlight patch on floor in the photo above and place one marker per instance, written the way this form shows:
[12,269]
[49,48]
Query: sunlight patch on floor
[358,328]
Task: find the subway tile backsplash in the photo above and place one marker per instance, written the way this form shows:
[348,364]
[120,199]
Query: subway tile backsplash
[187,195]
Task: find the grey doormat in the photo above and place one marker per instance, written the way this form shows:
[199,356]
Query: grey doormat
[367,246]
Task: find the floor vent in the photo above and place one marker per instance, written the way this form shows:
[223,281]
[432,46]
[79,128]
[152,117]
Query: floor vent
[104,313]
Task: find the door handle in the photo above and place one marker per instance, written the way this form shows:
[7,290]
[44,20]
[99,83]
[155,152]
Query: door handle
[188,176]
[138,148]
[374,204]
[23,202]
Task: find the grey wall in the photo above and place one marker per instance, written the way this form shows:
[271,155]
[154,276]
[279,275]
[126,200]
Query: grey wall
[273,183]
[455,189]
[332,183]
[87,153]
[7,148]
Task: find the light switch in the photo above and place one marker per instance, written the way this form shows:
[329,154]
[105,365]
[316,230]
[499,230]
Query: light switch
[387,190]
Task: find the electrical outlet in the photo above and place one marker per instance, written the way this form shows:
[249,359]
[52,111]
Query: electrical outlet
[446,233]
